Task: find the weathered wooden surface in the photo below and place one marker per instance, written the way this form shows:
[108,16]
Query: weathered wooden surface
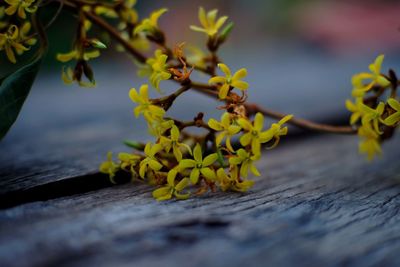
[318,204]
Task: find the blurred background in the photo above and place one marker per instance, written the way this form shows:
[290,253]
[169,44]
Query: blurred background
[300,57]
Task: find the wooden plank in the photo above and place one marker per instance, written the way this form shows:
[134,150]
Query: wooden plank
[318,204]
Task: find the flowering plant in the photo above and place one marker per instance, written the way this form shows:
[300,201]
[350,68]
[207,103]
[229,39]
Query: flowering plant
[178,161]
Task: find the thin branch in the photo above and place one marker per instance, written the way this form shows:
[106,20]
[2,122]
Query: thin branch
[301,123]
[116,35]
[212,90]
[167,101]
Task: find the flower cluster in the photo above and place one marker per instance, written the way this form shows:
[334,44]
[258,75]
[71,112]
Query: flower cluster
[374,109]
[180,163]
[84,49]
[16,38]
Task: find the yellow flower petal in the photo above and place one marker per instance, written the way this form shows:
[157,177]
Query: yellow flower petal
[210,159]
[208,173]
[197,153]
[225,69]
[194,176]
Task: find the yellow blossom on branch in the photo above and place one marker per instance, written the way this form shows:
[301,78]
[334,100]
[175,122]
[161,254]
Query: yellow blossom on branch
[370,143]
[10,41]
[365,113]
[20,6]
[195,56]
[23,35]
[171,188]
[199,165]
[69,75]
[173,143]
[225,128]
[276,131]
[139,42]
[255,136]
[371,115]
[109,167]
[156,67]
[395,117]
[128,13]
[129,161]
[355,109]
[232,181]
[374,77]
[157,127]
[209,22]
[77,54]
[150,161]
[150,112]
[229,81]
[150,25]
[246,162]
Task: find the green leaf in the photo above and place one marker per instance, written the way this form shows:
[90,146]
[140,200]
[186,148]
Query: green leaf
[14,89]
[135,145]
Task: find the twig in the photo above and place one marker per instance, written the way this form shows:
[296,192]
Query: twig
[212,90]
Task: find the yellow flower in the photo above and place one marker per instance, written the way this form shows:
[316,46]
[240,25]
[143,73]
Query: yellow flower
[109,167]
[246,162]
[371,115]
[23,36]
[150,161]
[128,13]
[208,21]
[150,25]
[129,161]
[229,81]
[10,40]
[199,165]
[159,70]
[231,181]
[158,127]
[150,112]
[105,11]
[355,109]
[369,143]
[375,78]
[395,117]
[77,54]
[20,6]
[139,42]
[68,77]
[173,143]
[365,113]
[82,67]
[225,129]
[196,57]
[166,192]
[276,131]
[254,135]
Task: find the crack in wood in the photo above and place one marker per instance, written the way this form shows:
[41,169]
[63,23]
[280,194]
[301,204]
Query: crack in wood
[57,189]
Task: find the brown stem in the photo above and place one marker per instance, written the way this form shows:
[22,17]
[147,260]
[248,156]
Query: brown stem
[167,101]
[195,123]
[116,35]
[301,123]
